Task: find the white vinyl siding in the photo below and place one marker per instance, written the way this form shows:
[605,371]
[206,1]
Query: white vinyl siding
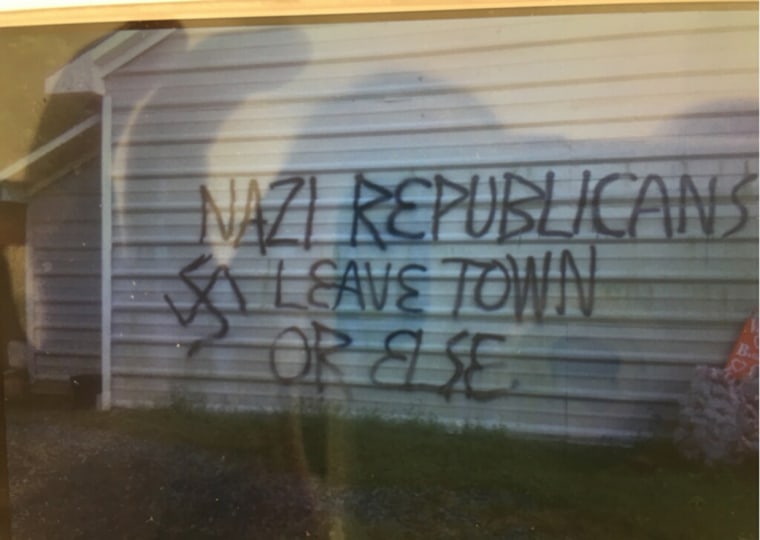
[63,224]
[539,103]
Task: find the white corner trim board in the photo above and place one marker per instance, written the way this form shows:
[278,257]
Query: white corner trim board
[106,234]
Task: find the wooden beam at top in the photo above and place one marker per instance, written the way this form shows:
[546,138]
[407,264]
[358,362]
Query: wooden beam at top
[79,11]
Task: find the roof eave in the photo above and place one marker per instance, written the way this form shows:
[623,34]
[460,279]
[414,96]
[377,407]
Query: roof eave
[87,72]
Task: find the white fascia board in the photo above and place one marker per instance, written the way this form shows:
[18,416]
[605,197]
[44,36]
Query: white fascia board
[87,72]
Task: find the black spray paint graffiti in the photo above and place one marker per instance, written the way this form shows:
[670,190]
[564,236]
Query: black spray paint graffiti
[356,283]
[202,299]
[524,207]
[318,351]
[528,286]
[513,215]
[315,357]
[234,230]
[503,279]
[462,371]
[500,208]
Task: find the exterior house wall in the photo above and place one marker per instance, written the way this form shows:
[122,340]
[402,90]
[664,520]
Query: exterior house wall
[63,268]
[543,223]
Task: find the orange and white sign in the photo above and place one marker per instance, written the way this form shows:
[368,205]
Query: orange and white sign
[745,352]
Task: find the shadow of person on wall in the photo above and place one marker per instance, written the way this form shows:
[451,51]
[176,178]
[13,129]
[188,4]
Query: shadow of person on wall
[179,144]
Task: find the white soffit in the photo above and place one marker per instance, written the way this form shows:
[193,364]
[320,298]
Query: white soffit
[86,72]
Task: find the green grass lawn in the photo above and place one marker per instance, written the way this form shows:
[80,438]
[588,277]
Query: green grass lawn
[540,489]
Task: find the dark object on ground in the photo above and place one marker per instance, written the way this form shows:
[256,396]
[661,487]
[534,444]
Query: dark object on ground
[85,390]
[15,383]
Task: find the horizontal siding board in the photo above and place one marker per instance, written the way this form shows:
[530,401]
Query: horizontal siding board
[553,327]
[524,377]
[596,395]
[412,136]
[277,121]
[588,82]
[700,168]
[625,308]
[617,213]
[636,314]
[619,360]
[648,233]
[451,155]
[342,42]
[203,134]
[539,98]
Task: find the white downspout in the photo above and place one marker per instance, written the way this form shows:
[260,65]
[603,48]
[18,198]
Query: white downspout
[105,251]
